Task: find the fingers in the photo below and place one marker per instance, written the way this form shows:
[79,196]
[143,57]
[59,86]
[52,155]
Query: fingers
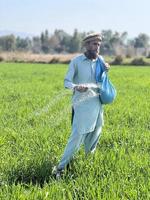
[81,88]
[107,66]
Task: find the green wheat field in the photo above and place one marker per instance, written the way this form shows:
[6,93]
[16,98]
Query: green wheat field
[35,112]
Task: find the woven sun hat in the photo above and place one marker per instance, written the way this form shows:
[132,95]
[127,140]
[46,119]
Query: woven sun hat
[92,36]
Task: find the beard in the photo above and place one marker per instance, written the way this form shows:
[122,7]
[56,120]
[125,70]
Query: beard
[90,54]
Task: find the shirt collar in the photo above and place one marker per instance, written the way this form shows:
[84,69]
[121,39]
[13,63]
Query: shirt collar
[84,57]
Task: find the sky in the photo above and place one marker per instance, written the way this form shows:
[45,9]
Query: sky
[34,16]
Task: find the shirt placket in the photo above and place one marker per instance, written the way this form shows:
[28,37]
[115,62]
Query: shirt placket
[92,70]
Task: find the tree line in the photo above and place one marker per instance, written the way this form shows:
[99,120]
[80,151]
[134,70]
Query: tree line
[114,43]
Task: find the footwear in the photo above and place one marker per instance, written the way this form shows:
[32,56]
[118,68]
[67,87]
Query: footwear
[93,150]
[57,173]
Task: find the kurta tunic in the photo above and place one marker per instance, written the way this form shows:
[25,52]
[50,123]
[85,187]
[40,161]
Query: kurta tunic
[88,111]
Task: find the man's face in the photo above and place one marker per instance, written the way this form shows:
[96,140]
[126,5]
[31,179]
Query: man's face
[92,48]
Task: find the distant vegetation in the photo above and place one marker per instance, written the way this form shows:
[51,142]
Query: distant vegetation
[60,42]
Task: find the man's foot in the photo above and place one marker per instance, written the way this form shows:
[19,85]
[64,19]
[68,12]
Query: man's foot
[57,173]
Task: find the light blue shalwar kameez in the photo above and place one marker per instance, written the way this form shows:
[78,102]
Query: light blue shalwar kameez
[88,111]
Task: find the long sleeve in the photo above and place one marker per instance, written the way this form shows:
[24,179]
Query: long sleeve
[68,81]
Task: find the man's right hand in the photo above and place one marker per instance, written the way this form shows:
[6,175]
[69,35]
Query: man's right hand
[81,88]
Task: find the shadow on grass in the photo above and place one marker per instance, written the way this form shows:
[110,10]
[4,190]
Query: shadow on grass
[32,174]
[38,175]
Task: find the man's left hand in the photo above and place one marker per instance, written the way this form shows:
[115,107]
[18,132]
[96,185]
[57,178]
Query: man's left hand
[107,66]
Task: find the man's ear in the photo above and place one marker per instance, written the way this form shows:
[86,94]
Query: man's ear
[86,45]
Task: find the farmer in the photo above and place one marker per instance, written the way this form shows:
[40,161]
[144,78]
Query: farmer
[88,112]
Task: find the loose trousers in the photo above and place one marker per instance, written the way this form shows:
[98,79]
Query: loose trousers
[89,140]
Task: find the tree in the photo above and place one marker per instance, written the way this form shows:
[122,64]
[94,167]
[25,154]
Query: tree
[76,42]
[123,37]
[117,43]
[106,47]
[36,45]
[60,41]
[142,41]
[54,44]
[7,43]
[66,43]
[23,44]
[45,42]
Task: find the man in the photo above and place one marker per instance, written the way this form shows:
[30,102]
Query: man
[88,112]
